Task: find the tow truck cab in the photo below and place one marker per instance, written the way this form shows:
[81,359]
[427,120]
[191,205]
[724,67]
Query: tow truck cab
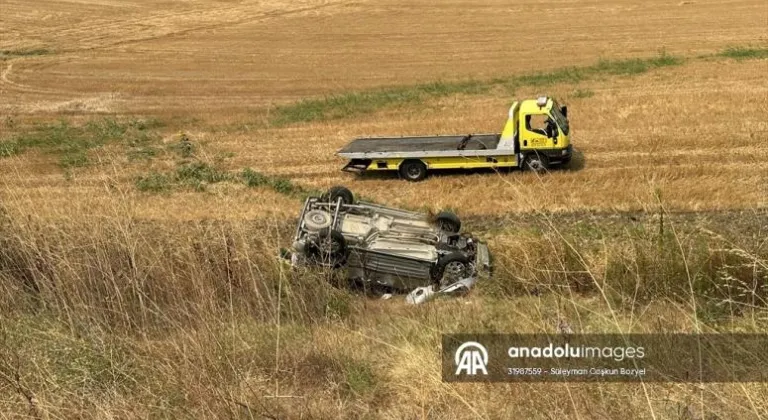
[538,131]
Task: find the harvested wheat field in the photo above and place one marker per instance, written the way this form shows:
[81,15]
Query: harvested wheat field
[155,155]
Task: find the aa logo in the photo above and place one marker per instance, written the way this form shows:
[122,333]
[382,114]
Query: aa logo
[471,358]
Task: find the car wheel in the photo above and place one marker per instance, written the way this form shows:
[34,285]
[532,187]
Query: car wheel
[413,170]
[330,249]
[450,268]
[316,220]
[536,162]
[448,221]
[335,192]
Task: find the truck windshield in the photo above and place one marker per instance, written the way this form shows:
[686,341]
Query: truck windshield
[559,118]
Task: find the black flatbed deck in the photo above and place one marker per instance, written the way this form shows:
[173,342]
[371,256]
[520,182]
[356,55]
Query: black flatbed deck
[422,144]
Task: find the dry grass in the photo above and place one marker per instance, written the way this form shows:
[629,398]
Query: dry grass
[214,56]
[119,299]
[664,131]
[126,317]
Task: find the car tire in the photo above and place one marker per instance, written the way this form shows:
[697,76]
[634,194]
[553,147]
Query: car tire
[330,250]
[317,220]
[455,264]
[413,170]
[536,162]
[448,221]
[333,194]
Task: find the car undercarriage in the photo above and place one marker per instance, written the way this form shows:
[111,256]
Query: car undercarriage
[384,246]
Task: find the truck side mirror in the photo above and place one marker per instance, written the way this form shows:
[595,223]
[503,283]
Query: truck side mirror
[549,131]
[564,111]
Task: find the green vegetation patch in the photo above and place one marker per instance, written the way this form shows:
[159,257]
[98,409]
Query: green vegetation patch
[359,379]
[154,182]
[196,175]
[184,147]
[72,143]
[583,93]
[602,67]
[285,186]
[357,103]
[142,153]
[199,174]
[364,102]
[24,52]
[743,53]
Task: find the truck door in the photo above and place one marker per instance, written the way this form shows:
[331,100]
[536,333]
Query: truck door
[533,131]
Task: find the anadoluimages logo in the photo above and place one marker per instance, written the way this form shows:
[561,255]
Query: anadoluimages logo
[471,358]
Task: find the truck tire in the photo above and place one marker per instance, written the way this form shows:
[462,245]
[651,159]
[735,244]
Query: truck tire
[413,170]
[330,250]
[337,191]
[536,162]
[455,266]
[448,221]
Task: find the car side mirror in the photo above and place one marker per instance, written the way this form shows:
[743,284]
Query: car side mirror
[564,111]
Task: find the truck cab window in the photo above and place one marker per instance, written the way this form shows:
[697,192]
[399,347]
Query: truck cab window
[537,124]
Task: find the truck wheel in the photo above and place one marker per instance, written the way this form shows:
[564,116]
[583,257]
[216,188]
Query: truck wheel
[536,162]
[413,170]
[451,268]
[448,221]
[335,192]
[329,250]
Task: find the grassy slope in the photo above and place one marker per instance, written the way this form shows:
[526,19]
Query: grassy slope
[137,318]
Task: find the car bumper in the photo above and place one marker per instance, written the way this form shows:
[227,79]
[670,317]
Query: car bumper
[483,260]
[482,271]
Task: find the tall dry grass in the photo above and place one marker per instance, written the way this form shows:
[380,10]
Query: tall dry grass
[131,275]
[111,315]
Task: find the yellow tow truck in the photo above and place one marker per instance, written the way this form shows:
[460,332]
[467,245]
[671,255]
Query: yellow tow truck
[535,137]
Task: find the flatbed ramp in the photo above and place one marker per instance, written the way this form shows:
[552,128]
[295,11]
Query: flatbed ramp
[421,144]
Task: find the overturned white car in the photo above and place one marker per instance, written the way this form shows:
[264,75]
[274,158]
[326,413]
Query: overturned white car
[398,249]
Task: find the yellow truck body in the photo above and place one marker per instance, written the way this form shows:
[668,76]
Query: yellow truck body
[536,136]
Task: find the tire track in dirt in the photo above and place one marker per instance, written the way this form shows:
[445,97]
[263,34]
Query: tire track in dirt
[261,16]
[6,71]
[156,20]
[137,21]
[6,81]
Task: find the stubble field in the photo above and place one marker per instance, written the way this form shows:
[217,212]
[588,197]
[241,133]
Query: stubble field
[136,270]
